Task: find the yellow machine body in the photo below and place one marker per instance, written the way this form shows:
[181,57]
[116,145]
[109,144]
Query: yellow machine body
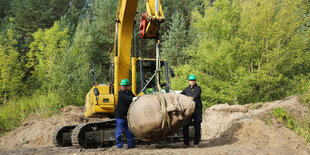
[102,104]
[105,103]
[155,17]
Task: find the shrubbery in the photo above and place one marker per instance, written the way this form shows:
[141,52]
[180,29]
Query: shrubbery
[12,113]
[249,51]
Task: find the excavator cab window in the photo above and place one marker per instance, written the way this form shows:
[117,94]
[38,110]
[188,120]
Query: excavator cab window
[145,71]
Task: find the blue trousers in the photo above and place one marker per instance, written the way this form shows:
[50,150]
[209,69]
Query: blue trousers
[121,123]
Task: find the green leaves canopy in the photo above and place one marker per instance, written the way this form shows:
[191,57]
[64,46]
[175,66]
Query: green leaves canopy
[249,51]
[11,73]
[240,51]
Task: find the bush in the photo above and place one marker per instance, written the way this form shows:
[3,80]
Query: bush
[14,112]
[245,54]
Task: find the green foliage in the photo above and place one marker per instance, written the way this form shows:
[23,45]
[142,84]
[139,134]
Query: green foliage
[11,72]
[93,41]
[31,15]
[306,99]
[305,96]
[268,119]
[76,10]
[284,117]
[249,51]
[101,30]
[300,126]
[59,67]
[13,112]
[55,59]
[175,41]
[45,53]
[4,7]
[74,66]
[183,7]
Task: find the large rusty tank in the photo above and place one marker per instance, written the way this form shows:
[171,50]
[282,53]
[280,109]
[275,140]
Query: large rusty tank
[151,118]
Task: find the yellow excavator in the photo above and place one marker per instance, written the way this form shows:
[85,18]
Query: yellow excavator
[101,100]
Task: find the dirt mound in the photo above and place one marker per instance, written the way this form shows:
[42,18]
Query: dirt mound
[226,129]
[36,131]
[219,117]
[241,127]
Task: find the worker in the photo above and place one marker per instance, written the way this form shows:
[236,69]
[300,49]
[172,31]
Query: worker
[193,91]
[146,80]
[149,88]
[125,97]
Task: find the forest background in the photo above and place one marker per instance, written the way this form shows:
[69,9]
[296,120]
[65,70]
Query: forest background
[241,51]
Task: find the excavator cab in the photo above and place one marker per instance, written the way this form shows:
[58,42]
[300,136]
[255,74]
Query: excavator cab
[143,79]
[100,101]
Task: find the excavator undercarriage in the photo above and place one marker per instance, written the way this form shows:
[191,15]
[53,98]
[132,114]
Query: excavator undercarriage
[96,135]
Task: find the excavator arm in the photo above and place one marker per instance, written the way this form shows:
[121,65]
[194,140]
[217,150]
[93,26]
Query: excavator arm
[126,13]
[102,98]
[151,20]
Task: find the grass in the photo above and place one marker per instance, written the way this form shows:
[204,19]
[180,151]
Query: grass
[284,117]
[305,130]
[300,125]
[14,112]
[305,98]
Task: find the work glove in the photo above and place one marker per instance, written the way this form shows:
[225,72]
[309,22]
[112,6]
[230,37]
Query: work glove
[191,98]
[135,98]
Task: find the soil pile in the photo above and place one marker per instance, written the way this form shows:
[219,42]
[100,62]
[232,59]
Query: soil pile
[37,131]
[240,129]
[218,118]
[237,129]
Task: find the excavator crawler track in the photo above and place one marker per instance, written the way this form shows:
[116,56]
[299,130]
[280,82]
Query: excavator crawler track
[94,135]
[97,134]
[62,136]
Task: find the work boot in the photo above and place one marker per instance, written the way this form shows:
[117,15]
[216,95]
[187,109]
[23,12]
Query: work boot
[196,146]
[185,145]
[130,147]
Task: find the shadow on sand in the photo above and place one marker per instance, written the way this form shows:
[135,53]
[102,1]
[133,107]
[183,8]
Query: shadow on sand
[225,138]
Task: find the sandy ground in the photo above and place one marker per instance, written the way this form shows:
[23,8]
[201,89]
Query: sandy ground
[238,129]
